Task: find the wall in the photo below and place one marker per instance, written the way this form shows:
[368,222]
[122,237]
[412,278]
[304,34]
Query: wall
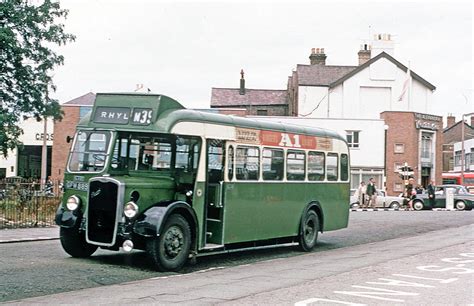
[61,148]
[308,99]
[32,136]
[402,129]
[468,161]
[354,99]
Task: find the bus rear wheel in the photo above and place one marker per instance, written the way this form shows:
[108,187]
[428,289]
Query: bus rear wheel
[170,250]
[309,231]
[74,243]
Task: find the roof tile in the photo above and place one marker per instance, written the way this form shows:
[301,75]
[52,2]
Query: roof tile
[232,97]
[320,74]
[84,100]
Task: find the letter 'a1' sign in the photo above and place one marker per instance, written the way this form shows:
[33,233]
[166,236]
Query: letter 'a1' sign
[123,115]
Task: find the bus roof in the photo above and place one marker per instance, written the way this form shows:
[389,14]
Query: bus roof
[159,113]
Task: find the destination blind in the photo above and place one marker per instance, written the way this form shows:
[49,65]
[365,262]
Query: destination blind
[123,115]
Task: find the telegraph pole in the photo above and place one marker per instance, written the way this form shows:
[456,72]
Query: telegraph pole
[462,146]
[44,152]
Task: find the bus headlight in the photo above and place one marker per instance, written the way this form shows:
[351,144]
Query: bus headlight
[130,209]
[73,202]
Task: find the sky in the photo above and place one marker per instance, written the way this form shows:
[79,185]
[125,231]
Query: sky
[184,48]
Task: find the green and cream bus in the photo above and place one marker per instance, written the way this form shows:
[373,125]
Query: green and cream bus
[146,173]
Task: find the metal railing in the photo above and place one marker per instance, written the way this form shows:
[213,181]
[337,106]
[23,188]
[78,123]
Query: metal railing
[28,203]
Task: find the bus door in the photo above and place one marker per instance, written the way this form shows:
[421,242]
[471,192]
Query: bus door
[214,192]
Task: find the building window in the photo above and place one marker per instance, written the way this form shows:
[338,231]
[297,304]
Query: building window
[397,166]
[426,145]
[262,112]
[399,148]
[398,187]
[457,159]
[359,175]
[352,138]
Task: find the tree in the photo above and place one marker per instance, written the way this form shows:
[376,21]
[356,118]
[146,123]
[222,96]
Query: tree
[28,30]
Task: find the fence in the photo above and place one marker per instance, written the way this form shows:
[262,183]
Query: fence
[28,203]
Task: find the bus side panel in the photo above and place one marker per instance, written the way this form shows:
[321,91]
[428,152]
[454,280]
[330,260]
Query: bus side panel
[240,205]
[256,211]
[278,210]
[282,205]
[334,200]
[198,206]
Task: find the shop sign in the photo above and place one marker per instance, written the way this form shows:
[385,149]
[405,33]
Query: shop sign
[426,125]
[40,136]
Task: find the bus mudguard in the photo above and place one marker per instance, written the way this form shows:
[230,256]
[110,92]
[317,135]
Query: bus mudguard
[318,209]
[149,223]
[66,218]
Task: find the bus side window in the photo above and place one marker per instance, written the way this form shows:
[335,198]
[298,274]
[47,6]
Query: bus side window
[344,167]
[247,163]
[316,166]
[295,165]
[230,164]
[332,167]
[272,164]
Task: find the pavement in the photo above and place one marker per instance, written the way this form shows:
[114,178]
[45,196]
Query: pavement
[29,234]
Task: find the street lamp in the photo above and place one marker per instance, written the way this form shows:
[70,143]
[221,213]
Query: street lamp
[462,146]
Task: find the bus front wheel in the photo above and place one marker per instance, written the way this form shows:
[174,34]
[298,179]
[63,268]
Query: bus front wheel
[74,243]
[309,231]
[170,250]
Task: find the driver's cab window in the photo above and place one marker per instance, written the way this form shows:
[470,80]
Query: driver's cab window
[149,154]
[90,151]
[156,153]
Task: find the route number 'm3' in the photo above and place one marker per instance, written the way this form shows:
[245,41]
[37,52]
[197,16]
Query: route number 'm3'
[141,116]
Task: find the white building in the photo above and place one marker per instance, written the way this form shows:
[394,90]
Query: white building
[468,156]
[380,83]
[26,160]
[352,98]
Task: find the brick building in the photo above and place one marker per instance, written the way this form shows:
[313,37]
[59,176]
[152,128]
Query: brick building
[73,110]
[415,139]
[452,134]
[260,102]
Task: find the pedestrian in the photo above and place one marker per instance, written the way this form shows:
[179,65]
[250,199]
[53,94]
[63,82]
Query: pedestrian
[410,193]
[431,194]
[361,191]
[371,193]
[419,189]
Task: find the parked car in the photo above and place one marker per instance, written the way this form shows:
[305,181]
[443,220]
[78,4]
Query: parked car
[463,200]
[382,200]
[470,189]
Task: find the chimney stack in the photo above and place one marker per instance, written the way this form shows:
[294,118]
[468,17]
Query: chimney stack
[242,82]
[451,120]
[472,121]
[364,54]
[317,56]
[382,43]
